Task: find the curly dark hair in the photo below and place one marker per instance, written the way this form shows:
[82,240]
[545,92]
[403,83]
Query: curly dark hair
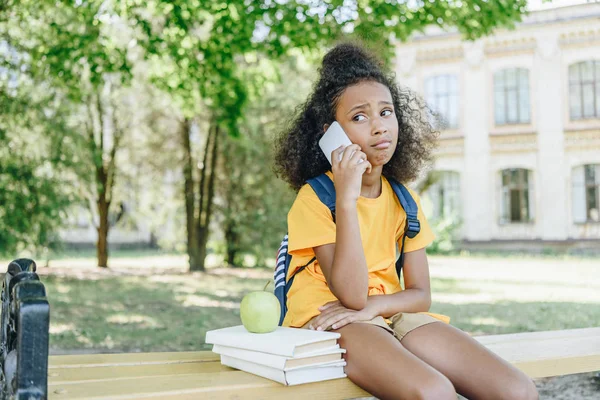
[297,153]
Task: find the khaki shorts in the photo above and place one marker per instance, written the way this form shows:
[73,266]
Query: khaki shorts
[399,325]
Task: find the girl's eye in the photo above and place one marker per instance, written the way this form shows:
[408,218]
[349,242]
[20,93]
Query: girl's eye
[358,118]
[386,113]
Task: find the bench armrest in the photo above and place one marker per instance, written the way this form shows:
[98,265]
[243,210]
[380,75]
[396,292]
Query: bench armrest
[24,333]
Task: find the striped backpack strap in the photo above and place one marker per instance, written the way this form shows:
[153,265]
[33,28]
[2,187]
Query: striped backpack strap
[279,277]
[282,284]
[280,266]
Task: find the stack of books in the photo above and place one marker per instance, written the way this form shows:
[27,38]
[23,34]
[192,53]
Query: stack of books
[290,356]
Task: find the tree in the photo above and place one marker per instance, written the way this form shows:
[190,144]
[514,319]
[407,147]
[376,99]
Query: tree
[80,51]
[253,204]
[36,159]
[201,44]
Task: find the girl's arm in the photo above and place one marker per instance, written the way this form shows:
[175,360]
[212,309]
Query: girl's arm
[416,296]
[343,263]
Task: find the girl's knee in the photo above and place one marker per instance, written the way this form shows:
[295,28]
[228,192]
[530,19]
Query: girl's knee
[522,389]
[438,387]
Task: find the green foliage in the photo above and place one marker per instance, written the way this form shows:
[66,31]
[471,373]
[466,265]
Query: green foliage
[78,51]
[255,202]
[72,45]
[34,191]
[446,231]
[199,46]
[32,203]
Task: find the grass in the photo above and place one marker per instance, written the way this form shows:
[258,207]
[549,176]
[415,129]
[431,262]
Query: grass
[158,312]
[148,302]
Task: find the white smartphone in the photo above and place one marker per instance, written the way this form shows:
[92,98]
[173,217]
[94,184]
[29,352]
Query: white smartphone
[333,138]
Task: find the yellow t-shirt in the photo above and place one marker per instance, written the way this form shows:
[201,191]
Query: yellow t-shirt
[310,224]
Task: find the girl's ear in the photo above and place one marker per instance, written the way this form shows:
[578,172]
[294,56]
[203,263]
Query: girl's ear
[325,127]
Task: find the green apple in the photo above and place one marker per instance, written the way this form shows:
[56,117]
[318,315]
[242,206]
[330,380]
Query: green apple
[260,312]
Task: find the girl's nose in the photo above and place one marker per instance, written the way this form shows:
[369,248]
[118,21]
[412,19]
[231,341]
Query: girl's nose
[378,127]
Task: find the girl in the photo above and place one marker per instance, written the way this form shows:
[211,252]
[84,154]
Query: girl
[395,349]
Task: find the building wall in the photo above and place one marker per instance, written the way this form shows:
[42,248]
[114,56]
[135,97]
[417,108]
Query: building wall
[546,43]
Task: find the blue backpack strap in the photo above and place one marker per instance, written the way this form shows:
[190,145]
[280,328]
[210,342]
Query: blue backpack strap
[325,190]
[413,226]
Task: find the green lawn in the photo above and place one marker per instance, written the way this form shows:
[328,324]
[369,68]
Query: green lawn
[149,303]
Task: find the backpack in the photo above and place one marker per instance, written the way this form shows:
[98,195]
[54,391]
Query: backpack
[325,190]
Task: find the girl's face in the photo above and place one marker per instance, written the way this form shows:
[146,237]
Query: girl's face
[366,113]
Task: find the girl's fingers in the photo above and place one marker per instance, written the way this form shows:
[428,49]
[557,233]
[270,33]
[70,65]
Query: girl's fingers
[358,155]
[343,322]
[367,167]
[349,152]
[332,321]
[330,311]
[336,155]
[322,319]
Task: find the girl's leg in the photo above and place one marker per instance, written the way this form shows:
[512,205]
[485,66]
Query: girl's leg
[378,363]
[475,372]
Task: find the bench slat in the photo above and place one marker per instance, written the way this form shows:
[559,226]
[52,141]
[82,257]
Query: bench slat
[95,360]
[542,354]
[546,349]
[555,367]
[536,336]
[63,376]
[181,375]
[218,385]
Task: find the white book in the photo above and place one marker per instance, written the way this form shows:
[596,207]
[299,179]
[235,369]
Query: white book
[288,342]
[289,377]
[326,356]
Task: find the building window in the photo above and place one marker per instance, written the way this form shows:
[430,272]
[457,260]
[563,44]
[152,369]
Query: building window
[586,193]
[516,196]
[511,96]
[441,93]
[444,193]
[584,90]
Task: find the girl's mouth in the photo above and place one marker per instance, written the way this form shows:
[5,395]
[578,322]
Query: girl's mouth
[381,145]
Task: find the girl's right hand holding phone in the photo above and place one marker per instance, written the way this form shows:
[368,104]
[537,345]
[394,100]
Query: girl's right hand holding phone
[349,165]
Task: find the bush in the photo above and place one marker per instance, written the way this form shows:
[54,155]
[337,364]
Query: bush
[447,231]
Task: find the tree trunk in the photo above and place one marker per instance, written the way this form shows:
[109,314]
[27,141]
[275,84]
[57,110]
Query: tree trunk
[231,243]
[102,186]
[189,195]
[102,243]
[104,160]
[103,205]
[202,250]
[207,191]
[230,171]
[231,253]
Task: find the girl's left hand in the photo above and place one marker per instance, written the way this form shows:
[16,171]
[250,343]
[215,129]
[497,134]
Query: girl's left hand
[335,316]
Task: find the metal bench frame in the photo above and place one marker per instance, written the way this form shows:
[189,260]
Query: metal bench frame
[24,333]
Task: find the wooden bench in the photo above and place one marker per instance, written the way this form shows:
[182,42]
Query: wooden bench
[199,375]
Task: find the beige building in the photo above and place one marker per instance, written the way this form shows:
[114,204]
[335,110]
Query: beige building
[519,154]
